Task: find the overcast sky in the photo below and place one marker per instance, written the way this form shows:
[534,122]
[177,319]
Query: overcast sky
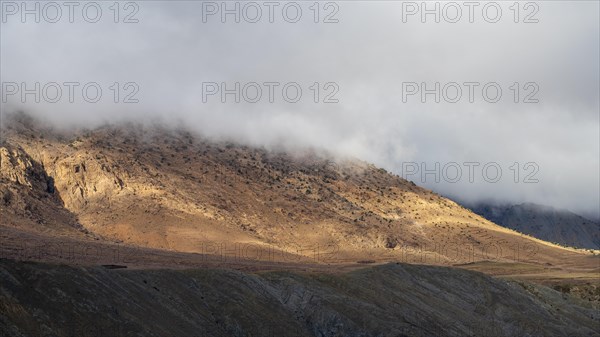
[172,57]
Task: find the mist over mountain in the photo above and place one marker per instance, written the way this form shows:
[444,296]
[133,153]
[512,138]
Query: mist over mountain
[166,188]
[170,55]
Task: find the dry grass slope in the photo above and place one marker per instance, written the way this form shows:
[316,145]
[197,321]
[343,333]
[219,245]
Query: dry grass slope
[169,189]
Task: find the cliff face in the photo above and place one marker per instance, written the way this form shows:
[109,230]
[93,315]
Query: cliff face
[18,167]
[388,300]
[29,199]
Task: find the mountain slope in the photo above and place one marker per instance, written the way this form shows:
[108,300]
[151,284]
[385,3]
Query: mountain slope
[543,222]
[170,189]
[387,300]
[147,217]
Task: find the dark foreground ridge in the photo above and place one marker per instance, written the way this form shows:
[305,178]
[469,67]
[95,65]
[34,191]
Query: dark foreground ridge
[387,300]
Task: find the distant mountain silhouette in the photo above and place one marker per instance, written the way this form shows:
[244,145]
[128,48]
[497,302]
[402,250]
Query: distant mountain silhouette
[544,222]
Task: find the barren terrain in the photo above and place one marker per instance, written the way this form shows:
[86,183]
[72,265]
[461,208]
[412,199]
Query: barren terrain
[251,239]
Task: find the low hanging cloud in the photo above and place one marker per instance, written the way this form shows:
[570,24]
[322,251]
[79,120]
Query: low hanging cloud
[362,69]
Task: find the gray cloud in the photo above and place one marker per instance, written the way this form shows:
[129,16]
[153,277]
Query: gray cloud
[368,54]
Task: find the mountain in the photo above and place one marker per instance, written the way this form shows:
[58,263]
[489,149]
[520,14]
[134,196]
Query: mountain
[544,222]
[169,189]
[146,230]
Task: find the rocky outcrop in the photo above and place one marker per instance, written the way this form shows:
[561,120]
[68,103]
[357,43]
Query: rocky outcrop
[29,198]
[18,167]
